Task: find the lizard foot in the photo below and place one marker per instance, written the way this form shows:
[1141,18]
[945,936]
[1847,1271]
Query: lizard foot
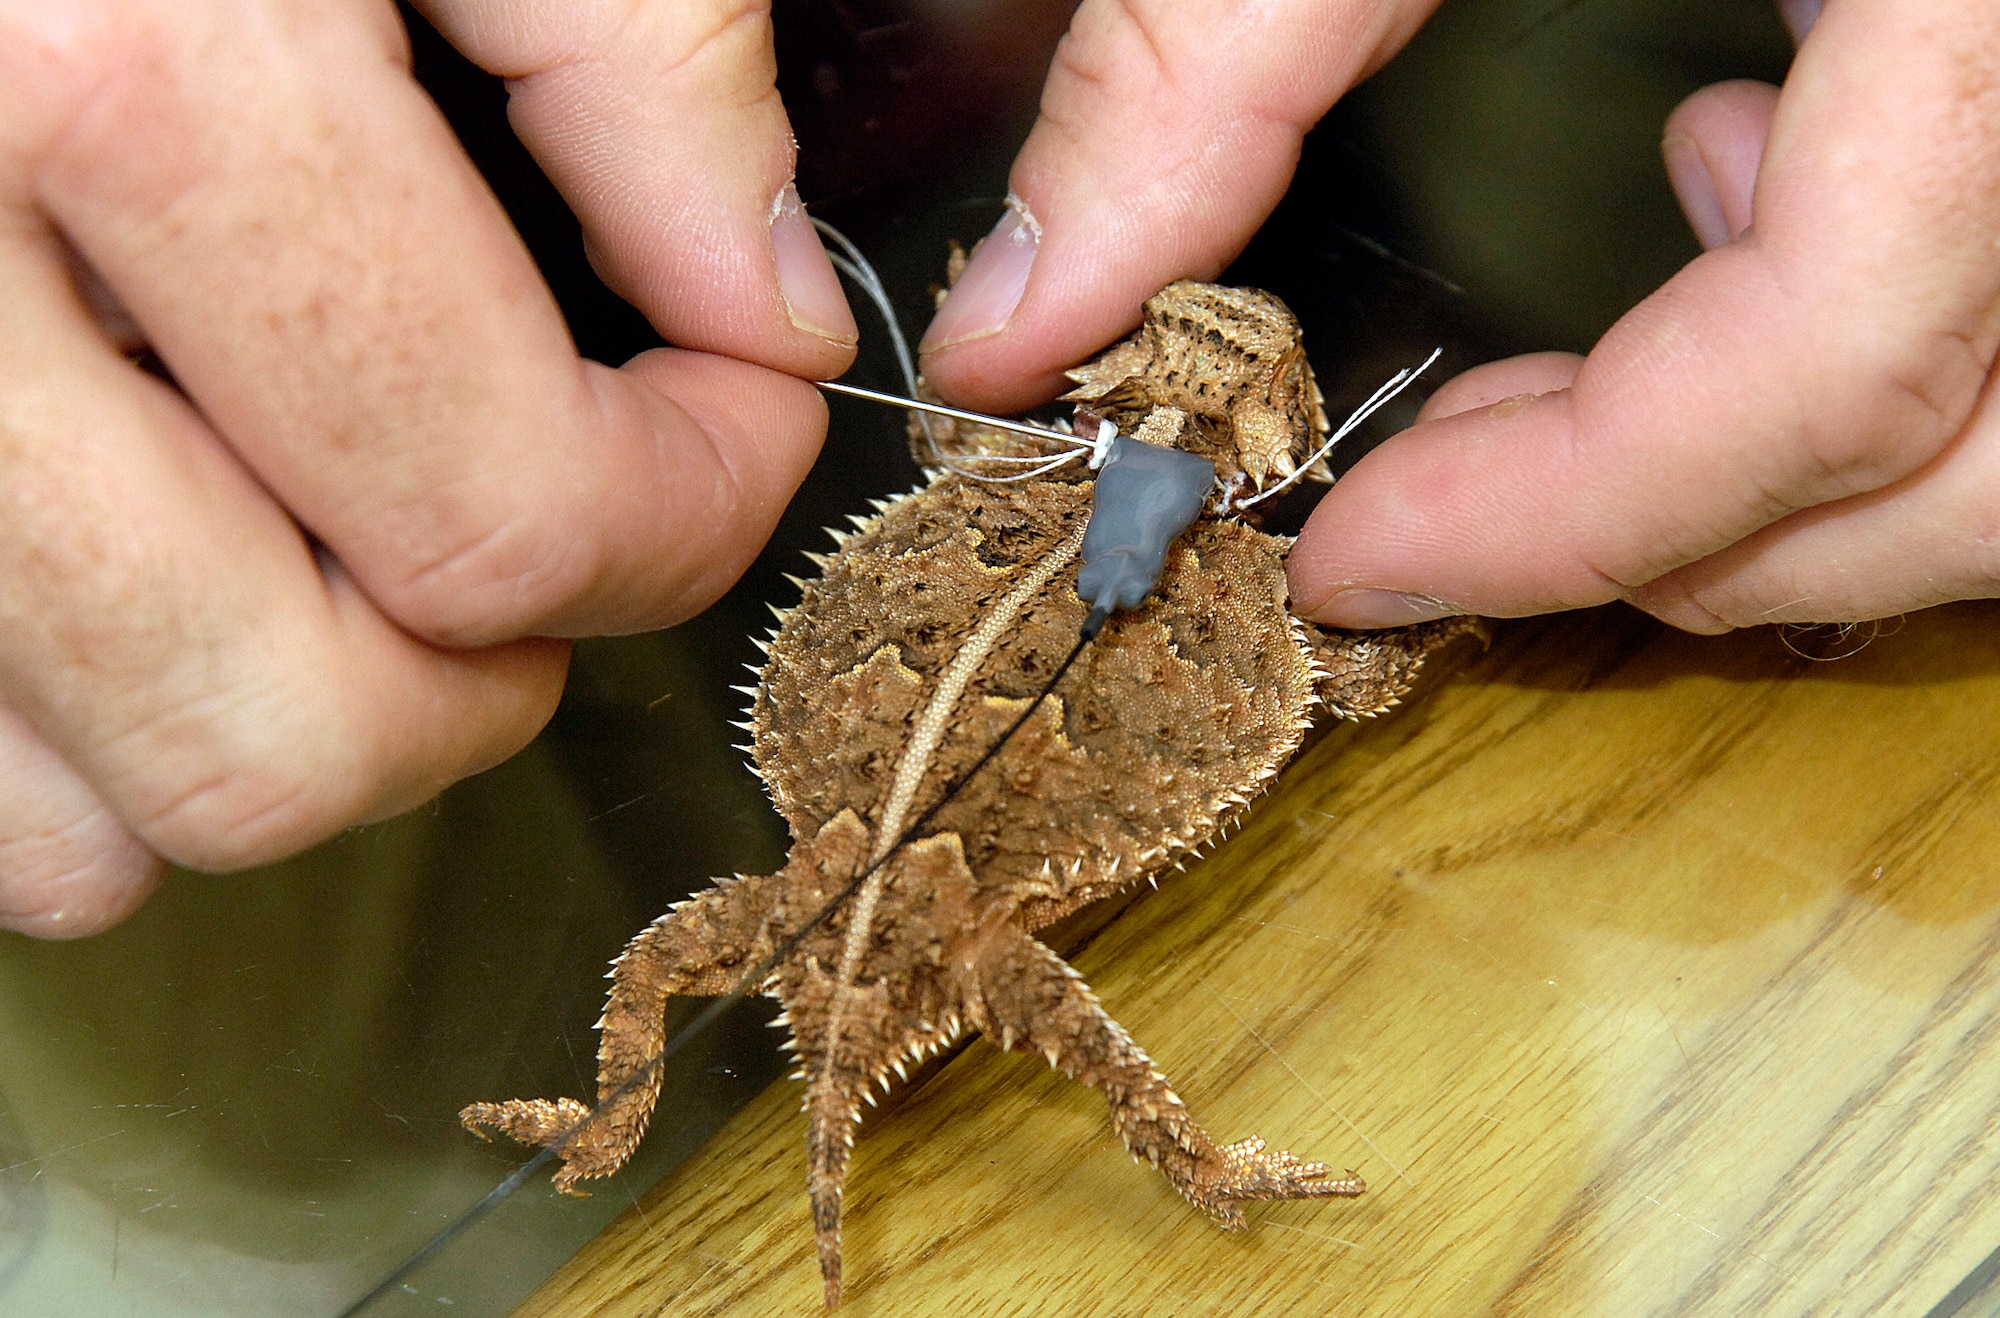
[544,1122]
[1243,1171]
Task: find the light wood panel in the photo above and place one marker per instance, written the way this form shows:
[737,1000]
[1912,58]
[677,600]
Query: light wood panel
[1640,974]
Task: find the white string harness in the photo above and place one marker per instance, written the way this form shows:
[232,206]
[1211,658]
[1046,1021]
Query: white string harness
[1095,450]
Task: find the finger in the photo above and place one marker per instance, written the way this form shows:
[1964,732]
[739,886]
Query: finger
[68,868]
[114,322]
[1799,16]
[1168,131]
[167,631]
[1926,539]
[310,253]
[1833,349]
[1516,378]
[661,123]
[729,490]
[1713,145]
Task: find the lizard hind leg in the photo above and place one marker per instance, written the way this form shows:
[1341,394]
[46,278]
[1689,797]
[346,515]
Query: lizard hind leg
[1031,999]
[699,948]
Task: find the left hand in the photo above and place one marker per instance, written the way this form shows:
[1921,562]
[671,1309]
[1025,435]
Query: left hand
[314,582]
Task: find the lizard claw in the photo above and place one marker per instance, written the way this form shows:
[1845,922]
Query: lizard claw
[542,1122]
[1243,1171]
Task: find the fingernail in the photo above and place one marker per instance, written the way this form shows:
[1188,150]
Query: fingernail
[1364,607]
[984,298]
[805,275]
[1799,16]
[1687,170]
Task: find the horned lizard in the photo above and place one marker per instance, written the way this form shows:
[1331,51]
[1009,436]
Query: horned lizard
[928,633]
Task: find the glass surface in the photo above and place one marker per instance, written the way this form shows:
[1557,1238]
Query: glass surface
[243,1101]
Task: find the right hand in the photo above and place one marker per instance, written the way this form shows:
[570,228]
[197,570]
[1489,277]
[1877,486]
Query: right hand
[1169,130]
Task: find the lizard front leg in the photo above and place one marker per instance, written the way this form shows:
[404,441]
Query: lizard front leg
[700,948]
[1362,674]
[1029,998]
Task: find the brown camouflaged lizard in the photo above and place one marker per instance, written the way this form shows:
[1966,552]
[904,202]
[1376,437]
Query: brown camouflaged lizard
[929,632]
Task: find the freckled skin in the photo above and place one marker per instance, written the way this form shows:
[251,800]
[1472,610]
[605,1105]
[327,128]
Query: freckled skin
[924,639]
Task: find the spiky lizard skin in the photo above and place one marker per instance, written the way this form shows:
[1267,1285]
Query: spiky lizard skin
[926,636]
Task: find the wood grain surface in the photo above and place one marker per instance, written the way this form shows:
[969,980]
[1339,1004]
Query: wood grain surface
[1640,973]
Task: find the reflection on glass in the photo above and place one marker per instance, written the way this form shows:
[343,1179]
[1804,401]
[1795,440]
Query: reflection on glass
[243,1101]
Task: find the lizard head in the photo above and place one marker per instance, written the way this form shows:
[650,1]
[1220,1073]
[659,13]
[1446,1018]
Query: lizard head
[1230,360]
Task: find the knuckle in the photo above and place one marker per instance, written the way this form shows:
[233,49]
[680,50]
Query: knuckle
[1126,36]
[1267,68]
[236,815]
[1916,408]
[259,780]
[51,58]
[1138,89]
[496,582]
[242,782]
[1837,458]
[1111,52]
[1642,562]
[1676,604]
[672,34]
[695,30]
[73,887]
[76,879]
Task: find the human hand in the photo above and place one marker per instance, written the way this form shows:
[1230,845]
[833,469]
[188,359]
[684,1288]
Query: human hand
[1797,427]
[290,595]
[1169,130]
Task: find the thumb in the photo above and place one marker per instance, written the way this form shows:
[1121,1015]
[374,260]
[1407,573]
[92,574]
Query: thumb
[1169,129]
